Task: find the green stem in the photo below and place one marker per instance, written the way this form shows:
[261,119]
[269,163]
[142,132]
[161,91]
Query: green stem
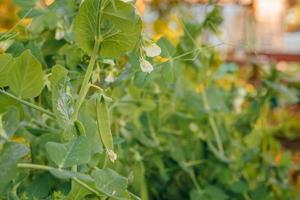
[152,131]
[213,124]
[34,166]
[105,161]
[47,168]
[51,114]
[83,184]
[85,84]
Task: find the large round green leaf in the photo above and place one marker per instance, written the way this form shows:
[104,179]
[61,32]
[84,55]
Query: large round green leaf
[113,22]
[75,152]
[26,77]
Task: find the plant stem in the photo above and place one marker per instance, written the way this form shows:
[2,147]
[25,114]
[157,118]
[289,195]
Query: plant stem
[85,84]
[47,168]
[51,114]
[34,166]
[83,184]
[213,124]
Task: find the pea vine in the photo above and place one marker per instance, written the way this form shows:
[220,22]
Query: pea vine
[92,108]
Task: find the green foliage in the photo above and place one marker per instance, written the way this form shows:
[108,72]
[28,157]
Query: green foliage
[5,59]
[111,183]
[89,111]
[25,76]
[11,154]
[75,152]
[114,23]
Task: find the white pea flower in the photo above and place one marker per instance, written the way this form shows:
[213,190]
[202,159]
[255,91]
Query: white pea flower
[112,155]
[146,66]
[109,62]
[110,78]
[239,100]
[59,33]
[152,50]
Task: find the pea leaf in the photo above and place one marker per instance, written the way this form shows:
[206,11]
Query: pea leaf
[75,152]
[113,22]
[169,68]
[25,6]
[111,183]
[57,73]
[5,60]
[141,79]
[9,157]
[62,100]
[9,123]
[92,133]
[77,192]
[6,102]
[25,77]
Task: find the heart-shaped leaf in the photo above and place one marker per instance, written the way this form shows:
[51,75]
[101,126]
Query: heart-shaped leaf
[169,69]
[26,77]
[75,152]
[111,183]
[114,23]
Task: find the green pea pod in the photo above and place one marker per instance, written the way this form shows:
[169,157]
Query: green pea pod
[104,130]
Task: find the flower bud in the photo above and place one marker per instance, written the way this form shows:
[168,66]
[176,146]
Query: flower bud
[146,66]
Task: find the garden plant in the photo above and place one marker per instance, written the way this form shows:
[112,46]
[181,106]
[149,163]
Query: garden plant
[93,108]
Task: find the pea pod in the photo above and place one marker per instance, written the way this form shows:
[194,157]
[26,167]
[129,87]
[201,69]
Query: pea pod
[104,130]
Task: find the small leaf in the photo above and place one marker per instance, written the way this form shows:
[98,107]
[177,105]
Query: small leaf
[169,70]
[167,49]
[111,183]
[9,157]
[77,192]
[62,101]
[141,79]
[75,152]
[25,77]
[10,122]
[6,102]
[58,72]
[113,22]
[92,133]
[25,6]
[5,60]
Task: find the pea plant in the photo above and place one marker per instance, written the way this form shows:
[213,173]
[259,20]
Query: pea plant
[91,108]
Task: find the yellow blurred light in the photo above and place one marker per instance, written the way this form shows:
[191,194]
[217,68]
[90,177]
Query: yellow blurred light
[49,2]
[200,88]
[249,88]
[140,5]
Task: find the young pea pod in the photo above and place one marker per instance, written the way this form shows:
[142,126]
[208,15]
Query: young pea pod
[104,130]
